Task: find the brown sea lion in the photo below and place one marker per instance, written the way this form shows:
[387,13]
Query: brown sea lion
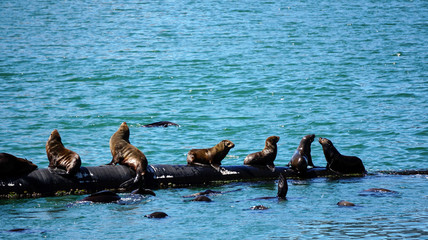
[344,203]
[61,158]
[210,192]
[11,166]
[340,163]
[259,207]
[379,190]
[161,124]
[266,156]
[124,153]
[210,156]
[201,198]
[104,196]
[156,215]
[302,158]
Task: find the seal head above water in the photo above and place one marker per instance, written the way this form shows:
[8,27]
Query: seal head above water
[161,124]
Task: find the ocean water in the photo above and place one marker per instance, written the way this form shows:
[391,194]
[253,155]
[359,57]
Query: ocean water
[354,72]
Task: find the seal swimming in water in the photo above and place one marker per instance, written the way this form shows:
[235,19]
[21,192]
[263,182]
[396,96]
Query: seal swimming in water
[12,166]
[201,198]
[156,215]
[104,196]
[302,158]
[337,162]
[210,156]
[124,153]
[61,158]
[266,156]
[143,191]
[210,192]
[344,203]
[259,207]
[161,124]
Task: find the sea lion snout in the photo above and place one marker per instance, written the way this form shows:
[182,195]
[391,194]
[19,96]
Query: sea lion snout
[229,144]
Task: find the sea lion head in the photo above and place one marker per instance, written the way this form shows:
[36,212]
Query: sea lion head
[325,142]
[228,144]
[309,137]
[123,131]
[54,136]
[272,139]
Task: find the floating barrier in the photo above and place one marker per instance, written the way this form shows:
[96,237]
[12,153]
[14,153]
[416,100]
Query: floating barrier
[44,182]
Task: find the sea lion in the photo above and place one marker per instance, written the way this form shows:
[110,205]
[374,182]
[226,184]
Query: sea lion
[259,207]
[210,156]
[344,203]
[206,192]
[156,215]
[124,153]
[380,190]
[143,191]
[340,163]
[11,166]
[201,198]
[266,156]
[210,192]
[102,197]
[302,158]
[161,124]
[61,158]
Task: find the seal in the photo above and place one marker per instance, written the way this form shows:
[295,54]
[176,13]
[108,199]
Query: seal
[344,203]
[302,158]
[61,158]
[210,156]
[125,153]
[143,191]
[380,190]
[201,198]
[337,162]
[161,124]
[12,166]
[210,192]
[259,207]
[156,215]
[266,156]
[104,196]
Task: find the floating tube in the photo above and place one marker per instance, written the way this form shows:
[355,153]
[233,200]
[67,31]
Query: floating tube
[43,182]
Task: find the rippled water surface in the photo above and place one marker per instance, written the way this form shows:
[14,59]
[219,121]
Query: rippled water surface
[354,72]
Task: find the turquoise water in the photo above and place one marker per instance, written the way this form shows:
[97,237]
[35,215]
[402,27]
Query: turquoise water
[354,72]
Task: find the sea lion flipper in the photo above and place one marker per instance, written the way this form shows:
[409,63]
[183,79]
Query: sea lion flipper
[133,182]
[127,184]
[216,166]
[282,187]
[58,171]
[271,167]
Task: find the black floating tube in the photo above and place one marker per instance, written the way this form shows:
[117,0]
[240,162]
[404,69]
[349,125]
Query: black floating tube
[43,182]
